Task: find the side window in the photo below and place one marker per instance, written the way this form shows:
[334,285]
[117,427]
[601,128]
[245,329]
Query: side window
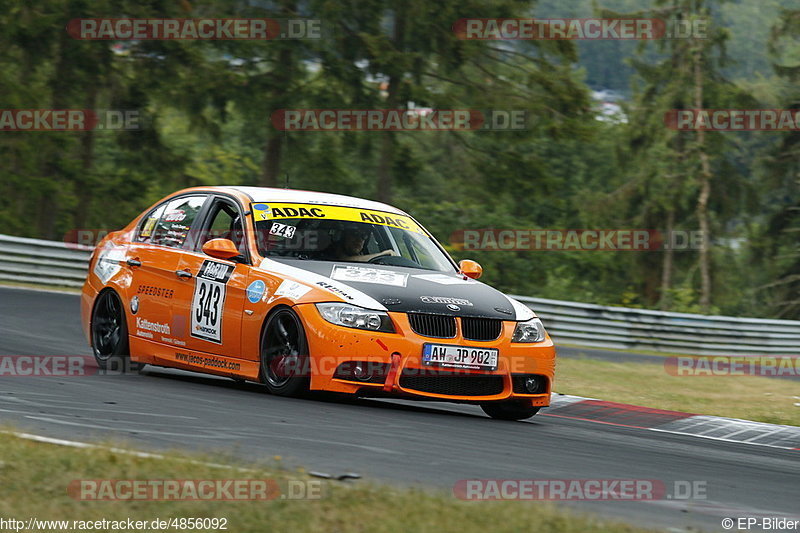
[148,224]
[225,224]
[175,222]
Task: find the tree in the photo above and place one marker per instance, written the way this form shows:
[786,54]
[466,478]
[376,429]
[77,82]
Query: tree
[782,252]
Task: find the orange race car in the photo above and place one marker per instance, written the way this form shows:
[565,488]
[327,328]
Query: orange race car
[311,291]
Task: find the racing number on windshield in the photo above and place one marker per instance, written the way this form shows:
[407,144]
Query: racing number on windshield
[209,301]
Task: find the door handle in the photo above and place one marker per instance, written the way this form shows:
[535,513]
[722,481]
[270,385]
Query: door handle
[134,263]
[183,273]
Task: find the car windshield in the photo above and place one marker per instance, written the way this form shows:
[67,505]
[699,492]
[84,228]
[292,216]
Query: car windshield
[345,234]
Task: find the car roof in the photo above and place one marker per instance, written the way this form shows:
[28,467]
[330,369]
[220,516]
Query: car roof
[267,195]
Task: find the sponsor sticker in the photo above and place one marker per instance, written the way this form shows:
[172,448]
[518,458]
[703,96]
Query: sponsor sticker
[444,300]
[177,215]
[292,289]
[147,229]
[153,290]
[263,212]
[349,273]
[334,289]
[255,291]
[107,264]
[146,328]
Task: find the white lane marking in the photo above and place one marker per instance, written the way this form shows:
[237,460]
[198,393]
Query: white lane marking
[72,408]
[16,411]
[58,416]
[684,426]
[769,433]
[339,443]
[11,393]
[724,439]
[562,400]
[122,451]
[128,429]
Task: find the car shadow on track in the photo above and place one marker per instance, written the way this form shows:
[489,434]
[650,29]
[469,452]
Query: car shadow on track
[396,404]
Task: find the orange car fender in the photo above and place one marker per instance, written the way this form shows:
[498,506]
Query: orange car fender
[106,271]
[291,289]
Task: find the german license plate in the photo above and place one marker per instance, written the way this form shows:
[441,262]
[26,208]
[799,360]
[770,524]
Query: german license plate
[447,355]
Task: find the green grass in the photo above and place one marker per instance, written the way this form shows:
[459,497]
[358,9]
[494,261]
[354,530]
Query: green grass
[34,477]
[761,399]
[654,353]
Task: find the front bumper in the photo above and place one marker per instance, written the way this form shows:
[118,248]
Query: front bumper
[394,364]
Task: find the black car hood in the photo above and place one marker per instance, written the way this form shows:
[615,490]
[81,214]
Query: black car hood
[413,290]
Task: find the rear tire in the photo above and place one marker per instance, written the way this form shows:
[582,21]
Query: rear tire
[110,334]
[285,368]
[509,410]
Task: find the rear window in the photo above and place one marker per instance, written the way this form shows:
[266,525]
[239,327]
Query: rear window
[169,224]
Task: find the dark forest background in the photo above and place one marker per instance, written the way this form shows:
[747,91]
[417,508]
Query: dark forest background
[597,154]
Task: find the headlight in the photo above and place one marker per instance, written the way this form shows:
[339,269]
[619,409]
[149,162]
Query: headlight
[529,331]
[351,316]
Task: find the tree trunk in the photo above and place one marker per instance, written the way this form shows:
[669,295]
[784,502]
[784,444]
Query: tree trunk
[385,173]
[705,190]
[52,147]
[84,182]
[284,80]
[385,177]
[666,265]
[271,166]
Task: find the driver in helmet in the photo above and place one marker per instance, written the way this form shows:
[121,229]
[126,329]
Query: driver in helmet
[350,246]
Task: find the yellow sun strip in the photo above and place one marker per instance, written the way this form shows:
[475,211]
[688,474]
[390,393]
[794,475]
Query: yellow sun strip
[276,211]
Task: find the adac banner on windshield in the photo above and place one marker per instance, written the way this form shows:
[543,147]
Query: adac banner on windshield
[278,211]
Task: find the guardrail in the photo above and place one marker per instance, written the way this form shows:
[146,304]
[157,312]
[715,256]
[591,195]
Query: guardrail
[43,262]
[684,333]
[61,264]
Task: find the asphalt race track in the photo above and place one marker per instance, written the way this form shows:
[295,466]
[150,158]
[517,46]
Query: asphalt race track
[427,444]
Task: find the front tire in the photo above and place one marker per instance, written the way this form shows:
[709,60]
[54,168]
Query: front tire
[110,334]
[509,410]
[284,354]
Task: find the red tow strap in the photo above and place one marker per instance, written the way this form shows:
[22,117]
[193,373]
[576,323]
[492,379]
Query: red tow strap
[391,376]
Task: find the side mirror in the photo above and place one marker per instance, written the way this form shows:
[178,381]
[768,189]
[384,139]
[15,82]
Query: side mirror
[221,249]
[470,268]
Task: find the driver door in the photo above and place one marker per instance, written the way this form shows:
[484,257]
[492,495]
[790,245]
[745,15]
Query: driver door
[212,295]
